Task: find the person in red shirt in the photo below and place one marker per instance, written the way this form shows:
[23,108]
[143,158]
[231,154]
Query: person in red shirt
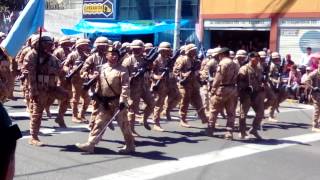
[289,64]
[294,81]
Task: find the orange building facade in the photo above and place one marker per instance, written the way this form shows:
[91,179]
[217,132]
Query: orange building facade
[288,26]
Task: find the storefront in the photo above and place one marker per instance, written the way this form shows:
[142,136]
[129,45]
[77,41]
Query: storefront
[126,20]
[251,34]
[297,34]
[285,26]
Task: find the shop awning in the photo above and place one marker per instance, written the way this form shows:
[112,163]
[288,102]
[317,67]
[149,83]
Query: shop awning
[121,27]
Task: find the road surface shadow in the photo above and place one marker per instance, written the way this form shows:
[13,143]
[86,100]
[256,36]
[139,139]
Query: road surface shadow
[171,140]
[271,142]
[139,143]
[152,155]
[285,126]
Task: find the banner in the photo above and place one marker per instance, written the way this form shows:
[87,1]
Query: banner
[99,9]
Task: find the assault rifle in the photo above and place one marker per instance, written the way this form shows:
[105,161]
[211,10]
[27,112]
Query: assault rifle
[195,66]
[166,70]
[151,56]
[77,69]
[280,74]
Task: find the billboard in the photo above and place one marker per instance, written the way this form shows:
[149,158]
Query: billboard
[99,9]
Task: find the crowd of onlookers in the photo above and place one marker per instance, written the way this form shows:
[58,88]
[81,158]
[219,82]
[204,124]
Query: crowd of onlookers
[295,74]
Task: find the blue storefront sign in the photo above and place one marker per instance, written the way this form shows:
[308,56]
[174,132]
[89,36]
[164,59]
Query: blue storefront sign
[99,9]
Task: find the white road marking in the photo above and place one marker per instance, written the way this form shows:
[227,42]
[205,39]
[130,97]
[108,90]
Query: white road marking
[186,163]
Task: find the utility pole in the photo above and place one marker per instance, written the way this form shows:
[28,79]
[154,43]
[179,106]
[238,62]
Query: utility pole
[176,38]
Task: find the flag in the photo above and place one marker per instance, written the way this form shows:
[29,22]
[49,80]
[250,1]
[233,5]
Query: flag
[30,19]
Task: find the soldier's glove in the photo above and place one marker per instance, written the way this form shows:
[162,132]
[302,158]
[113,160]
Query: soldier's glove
[316,89]
[122,105]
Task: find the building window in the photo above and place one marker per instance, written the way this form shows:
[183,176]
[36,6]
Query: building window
[155,9]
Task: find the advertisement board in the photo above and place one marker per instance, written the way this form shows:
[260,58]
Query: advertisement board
[99,9]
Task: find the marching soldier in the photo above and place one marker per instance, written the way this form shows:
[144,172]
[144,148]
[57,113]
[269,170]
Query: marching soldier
[5,78]
[313,82]
[147,48]
[90,69]
[31,43]
[43,70]
[161,71]
[241,56]
[112,91]
[185,69]
[207,72]
[72,66]
[126,48]
[224,92]
[276,94]
[175,97]
[251,92]
[139,85]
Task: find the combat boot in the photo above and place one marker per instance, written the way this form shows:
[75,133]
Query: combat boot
[209,131]
[168,115]
[255,133]
[60,122]
[157,127]
[76,120]
[126,150]
[315,129]
[82,118]
[35,141]
[146,124]
[228,135]
[87,147]
[271,119]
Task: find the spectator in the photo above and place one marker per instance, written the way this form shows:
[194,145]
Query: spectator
[304,89]
[288,65]
[305,58]
[294,81]
[9,135]
[314,63]
[305,75]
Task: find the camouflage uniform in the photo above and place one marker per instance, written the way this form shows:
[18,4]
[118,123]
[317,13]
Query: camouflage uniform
[42,75]
[190,90]
[224,93]
[6,79]
[274,96]
[91,68]
[139,87]
[113,84]
[207,72]
[313,81]
[72,62]
[251,93]
[163,89]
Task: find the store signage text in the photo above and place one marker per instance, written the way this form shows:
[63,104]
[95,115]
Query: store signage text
[98,9]
[299,23]
[234,23]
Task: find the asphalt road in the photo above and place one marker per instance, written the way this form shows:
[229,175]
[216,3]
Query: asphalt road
[289,151]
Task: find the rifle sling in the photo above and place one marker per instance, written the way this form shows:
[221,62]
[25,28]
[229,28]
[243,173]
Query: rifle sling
[113,91]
